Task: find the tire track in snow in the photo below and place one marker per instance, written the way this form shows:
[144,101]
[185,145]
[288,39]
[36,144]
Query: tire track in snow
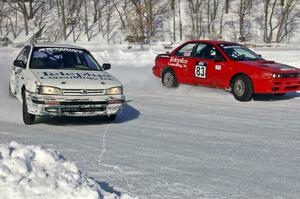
[114,167]
[100,163]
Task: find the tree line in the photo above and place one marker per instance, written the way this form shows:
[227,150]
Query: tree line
[147,21]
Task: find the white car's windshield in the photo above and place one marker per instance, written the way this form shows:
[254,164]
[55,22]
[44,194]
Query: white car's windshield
[238,52]
[63,59]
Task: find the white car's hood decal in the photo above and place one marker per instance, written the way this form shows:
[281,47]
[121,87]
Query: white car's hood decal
[71,79]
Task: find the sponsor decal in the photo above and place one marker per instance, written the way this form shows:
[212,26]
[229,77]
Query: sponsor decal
[74,75]
[60,50]
[178,62]
[187,53]
[202,64]
[218,67]
[232,46]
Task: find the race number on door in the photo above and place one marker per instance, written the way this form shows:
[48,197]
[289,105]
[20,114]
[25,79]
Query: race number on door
[200,71]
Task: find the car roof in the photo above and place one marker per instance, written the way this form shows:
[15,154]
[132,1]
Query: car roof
[46,45]
[213,41]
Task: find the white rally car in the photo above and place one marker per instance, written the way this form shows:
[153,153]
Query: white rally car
[62,80]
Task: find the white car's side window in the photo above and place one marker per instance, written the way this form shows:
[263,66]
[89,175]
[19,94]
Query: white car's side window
[23,56]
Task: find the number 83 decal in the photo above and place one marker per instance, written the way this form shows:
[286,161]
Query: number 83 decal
[200,70]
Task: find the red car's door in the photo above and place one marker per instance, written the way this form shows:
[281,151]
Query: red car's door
[180,60]
[203,67]
[200,71]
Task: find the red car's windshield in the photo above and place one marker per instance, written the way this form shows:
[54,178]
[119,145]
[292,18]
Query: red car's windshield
[238,52]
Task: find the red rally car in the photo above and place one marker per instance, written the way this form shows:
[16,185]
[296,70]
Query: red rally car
[225,65]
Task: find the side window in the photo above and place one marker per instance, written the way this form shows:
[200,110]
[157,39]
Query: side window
[207,51]
[186,51]
[199,52]
[24,54]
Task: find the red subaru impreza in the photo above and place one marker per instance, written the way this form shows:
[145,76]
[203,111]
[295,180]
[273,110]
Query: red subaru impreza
[225,65]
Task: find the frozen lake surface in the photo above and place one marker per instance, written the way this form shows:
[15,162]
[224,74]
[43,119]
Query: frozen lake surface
[189,142]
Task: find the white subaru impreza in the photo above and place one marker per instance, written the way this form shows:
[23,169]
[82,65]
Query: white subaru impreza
[62,80]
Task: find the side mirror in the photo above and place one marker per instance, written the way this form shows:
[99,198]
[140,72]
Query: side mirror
[19,63]
[106,66]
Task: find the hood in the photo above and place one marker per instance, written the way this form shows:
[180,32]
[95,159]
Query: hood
[70,79]
[273,67]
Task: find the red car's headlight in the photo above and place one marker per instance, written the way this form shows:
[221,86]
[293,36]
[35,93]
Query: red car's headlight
[276,75]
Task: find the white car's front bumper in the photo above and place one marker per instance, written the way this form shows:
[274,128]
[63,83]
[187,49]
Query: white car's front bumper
[74,105]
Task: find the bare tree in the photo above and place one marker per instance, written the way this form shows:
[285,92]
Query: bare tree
[145,18]
[121,11]
[180,21]
[245,6]
[286,19]
[28,8]
[269,27]
[214,14]
[195,8]
[174,19]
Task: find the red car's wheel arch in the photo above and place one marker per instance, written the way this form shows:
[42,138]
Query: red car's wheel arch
[236,75]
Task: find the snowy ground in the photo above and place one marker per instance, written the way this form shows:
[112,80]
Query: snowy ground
[190,142]
[38,173]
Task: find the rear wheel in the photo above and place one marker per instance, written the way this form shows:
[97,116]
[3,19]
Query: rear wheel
[28,118]
[169,79]
[242,88]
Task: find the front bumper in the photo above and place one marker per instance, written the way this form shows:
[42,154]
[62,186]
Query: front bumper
[279,85]
[74,105]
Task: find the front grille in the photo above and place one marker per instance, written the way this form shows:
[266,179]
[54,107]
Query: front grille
[81,103]
[289,75]
[292,87]
[70,110]
[75,109]
[86,92]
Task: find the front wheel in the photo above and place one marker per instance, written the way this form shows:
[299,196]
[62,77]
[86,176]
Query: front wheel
[242,88]
[28,118]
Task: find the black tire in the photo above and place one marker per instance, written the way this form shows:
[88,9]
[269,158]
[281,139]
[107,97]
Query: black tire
[110,118]
[169,79]
[242,88]
[28,118]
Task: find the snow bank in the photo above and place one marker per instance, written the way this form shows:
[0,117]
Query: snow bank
[34,172]
[131,58]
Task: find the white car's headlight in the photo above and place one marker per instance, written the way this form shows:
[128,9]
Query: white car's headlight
[49,90]
[114,91]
